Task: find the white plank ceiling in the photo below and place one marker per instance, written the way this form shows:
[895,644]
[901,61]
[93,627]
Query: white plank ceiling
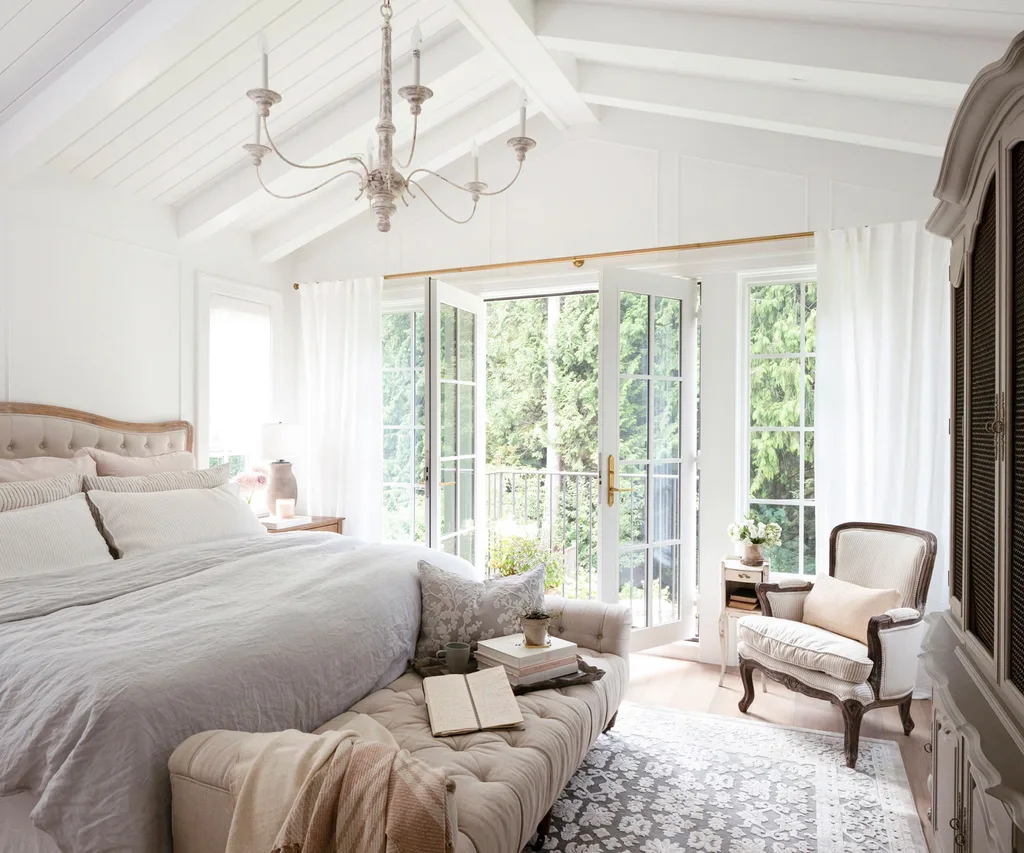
[148,96]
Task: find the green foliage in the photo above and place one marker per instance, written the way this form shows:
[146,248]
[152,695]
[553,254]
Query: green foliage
[516,555]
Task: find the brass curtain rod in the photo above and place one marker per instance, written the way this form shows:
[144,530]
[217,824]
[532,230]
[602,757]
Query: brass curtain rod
[578,260]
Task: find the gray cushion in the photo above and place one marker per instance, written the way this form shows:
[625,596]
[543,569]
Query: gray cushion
[457,610]
[35,492]
[166,481]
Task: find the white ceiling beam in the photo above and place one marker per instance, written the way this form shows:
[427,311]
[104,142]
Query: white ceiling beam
[914,128]
[145,43]
[458,63]
[491,119]
[892,64]
[505,27]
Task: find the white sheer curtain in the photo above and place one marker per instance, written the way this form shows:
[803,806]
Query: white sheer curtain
[883,384]
[341,342]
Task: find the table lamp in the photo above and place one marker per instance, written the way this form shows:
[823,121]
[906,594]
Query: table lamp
[281,441]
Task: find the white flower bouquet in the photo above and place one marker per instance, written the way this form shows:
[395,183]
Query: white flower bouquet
[756,532]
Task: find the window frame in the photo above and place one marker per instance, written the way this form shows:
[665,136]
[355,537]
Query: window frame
[208,286]
[747,281]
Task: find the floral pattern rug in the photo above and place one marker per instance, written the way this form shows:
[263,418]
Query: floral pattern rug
[666,781]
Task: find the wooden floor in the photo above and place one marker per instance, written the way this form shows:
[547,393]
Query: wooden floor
[670,683]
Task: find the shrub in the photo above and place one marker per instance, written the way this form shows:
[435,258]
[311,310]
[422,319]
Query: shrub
[516,555]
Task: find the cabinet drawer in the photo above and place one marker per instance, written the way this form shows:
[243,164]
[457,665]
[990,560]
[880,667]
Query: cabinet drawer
[743,575]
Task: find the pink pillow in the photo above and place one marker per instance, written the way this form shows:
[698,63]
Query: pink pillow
[44,467]
[115,465]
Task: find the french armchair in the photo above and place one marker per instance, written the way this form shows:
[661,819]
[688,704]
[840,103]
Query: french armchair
[853,676]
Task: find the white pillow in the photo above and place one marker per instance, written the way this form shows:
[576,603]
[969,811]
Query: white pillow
[846,608]
[115,465]
[50,537]
[205,478]
[41,467]
[137,523]
[35,492]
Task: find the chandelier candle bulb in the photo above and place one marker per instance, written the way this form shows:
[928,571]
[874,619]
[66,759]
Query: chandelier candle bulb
[522,115]
[417,44]
[261,45]
[476,162]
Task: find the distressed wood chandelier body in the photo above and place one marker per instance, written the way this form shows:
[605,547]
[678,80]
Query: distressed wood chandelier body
[380,181]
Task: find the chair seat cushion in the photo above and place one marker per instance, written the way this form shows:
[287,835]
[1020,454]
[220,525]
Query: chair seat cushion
[807,646]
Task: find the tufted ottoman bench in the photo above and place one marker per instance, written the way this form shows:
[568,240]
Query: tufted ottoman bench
[506,781]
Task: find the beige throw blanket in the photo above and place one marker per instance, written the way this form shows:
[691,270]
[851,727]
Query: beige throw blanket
[345,791]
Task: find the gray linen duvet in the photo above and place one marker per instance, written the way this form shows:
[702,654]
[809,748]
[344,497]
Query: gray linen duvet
[105,670]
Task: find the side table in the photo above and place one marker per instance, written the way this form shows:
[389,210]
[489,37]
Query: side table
[741,579]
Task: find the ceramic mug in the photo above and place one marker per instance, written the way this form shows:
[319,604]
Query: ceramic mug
[456,655]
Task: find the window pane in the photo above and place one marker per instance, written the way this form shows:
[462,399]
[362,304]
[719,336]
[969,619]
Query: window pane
[632,504]
[775,318]
[449,511]
[665,520]
[633,333]
[667,418]
[398,398]
[811,314]
[467,421]
[632,575]
[775,465]
[786,556]
[398,463]
[809,393]
[467,345]
[809,541]
[447,342]
[668,316]
[809,465]
[466,493]
[421,398]
[420,340]
[397,522]
[775,392]
[449,402]
[421,458]
[666,576]
[633,418]
[396,337]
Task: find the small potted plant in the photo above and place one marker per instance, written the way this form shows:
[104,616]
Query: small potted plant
[754,536]
[535,623]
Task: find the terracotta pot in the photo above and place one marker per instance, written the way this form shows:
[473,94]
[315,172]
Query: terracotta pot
[535,631]
[753,555]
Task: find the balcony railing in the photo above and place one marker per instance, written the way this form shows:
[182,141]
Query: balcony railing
[557,508]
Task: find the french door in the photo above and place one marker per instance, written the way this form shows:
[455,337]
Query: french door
[647,446]
[457,335]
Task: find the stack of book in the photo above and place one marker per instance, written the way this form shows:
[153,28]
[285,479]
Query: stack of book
[743,600]
[525,664]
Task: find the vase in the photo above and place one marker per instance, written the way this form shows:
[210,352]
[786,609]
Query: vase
[535,631]
[753,554]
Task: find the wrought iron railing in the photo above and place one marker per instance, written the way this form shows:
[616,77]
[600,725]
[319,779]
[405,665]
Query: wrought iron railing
[557,508]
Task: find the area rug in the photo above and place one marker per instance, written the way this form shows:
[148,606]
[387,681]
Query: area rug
[666,781]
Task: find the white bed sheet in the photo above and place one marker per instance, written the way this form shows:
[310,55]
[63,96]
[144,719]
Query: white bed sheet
[17,833]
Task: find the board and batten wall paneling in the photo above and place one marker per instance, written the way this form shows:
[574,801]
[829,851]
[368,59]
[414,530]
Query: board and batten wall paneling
[93,323]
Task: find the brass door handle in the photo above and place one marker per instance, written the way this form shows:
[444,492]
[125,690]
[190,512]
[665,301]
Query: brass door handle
[612,489]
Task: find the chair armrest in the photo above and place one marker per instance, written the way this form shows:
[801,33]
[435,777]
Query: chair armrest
[604,628]
[783,600]
[894,643]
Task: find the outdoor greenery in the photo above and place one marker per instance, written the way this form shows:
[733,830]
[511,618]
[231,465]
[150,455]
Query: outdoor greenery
[516,555]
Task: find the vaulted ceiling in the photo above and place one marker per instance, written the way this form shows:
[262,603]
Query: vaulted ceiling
[148,96]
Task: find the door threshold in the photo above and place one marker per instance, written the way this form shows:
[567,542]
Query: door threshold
[679,650]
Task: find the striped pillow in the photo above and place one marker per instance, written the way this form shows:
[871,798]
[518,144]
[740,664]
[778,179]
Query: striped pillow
[35,492]
[206,478]
[58,535]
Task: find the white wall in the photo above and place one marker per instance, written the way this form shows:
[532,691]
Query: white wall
[597,193]
[97,302]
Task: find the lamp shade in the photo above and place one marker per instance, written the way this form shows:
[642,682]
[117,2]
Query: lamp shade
[281,441]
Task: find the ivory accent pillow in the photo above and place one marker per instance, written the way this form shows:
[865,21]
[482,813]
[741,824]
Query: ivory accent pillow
[203,478]
[40,467]
[36,492]
[458,610]
[138,523]
[115,465]
[846,608]
[50,537]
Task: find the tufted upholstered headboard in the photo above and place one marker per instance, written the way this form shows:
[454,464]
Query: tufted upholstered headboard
[30,429]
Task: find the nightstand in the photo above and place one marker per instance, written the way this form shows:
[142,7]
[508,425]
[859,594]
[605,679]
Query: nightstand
[320,523]
[740,580]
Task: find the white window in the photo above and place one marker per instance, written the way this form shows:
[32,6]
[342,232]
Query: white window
[779,450]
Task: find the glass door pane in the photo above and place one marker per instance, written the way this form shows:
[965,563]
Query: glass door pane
[648,451]
[457,445]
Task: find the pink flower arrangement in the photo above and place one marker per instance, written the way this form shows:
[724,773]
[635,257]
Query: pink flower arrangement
[252,481]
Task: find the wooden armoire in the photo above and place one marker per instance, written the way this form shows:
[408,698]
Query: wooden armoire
[974,652]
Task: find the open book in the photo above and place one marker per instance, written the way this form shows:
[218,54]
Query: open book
[457,704]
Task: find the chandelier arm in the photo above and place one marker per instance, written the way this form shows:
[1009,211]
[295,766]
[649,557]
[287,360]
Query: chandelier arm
[440,209]
[305,192]
[412,151]
[507,186]
[338,162]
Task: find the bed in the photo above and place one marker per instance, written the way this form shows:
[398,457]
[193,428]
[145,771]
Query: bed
[105,669]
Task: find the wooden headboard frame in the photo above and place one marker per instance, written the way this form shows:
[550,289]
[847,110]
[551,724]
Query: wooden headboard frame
[32,429]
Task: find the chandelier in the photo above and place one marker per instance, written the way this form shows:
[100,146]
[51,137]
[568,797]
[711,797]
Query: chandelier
[380,180]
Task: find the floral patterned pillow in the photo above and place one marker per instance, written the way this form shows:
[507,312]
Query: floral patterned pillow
[458,610]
